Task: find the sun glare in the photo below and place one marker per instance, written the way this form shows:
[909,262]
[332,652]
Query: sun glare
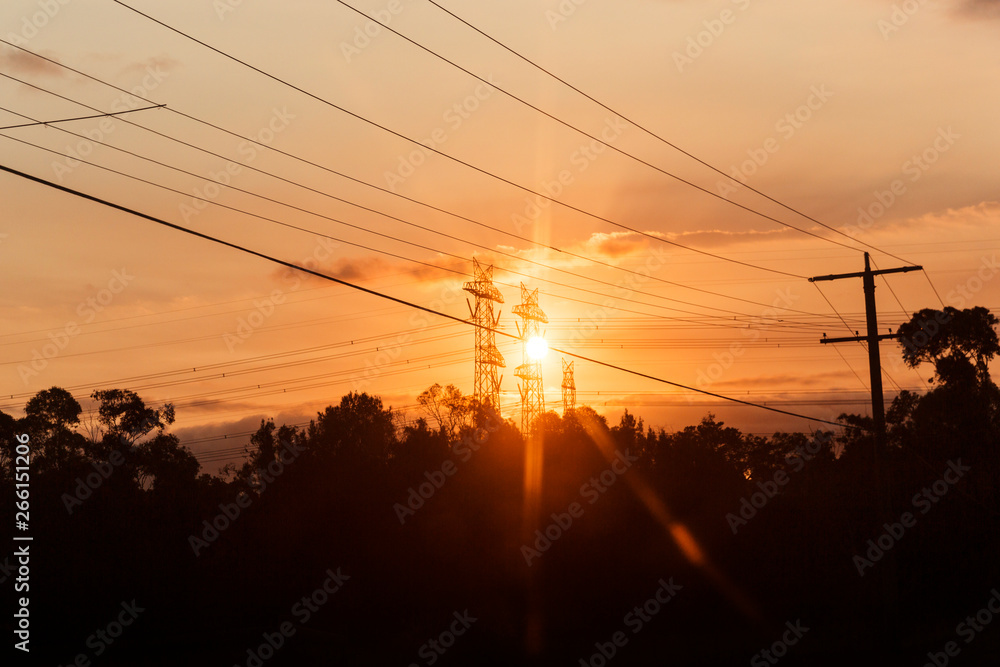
[537,348]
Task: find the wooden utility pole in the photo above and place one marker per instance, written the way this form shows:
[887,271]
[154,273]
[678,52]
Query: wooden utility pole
[873,337]
[880,478]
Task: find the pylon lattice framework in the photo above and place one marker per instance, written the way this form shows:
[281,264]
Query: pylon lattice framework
[530,370]
[568,386]
[488,358]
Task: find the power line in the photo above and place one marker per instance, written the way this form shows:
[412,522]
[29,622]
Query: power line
[376,187]
[385,252]
[283,386]
[179,319]
[353,226]
[67,120]
[296,405]
[220,373]
[928,276]
[594,138]
[286,386]
[382,295]
[387,236]
[397,239]
[864,345]
[446,155]
[224,453]
[341,222]
[193,339]
[904,311]
[224,365]
[656,136]
[246,360]
[847,363]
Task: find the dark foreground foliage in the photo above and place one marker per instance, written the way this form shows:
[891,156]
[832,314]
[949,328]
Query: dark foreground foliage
[419,530]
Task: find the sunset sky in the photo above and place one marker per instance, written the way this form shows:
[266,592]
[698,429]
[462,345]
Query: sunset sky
[878,119]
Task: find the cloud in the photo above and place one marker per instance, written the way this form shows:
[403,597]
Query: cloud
[366,269]
[612,247]
[616,244]
[217,429]
[714,238]
[982,215]
[985,8]
[599,245]
[844,379]
[25,63]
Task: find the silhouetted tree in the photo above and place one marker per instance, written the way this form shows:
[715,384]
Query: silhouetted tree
[577,421]
[421,444]
[265,448]
[628,432]
[52,409]
[447,406]
[8,430]
[163,463]
[432,518]
[359,429]
[960,343]
[125,418]
[49,418]
[549,423]
[961,414]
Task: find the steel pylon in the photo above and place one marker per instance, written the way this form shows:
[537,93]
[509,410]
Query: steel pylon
[488,359]
[530,370]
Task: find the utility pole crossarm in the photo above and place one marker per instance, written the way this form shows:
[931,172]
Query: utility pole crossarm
[861,274]
[855,339]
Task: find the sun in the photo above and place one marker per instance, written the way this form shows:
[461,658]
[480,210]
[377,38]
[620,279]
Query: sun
[537,348]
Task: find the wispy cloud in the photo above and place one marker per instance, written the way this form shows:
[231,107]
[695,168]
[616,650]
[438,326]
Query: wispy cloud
[366,269]
[984,8]
[21,62]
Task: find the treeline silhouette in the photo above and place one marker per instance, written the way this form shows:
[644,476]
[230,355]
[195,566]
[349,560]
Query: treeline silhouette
[420,524]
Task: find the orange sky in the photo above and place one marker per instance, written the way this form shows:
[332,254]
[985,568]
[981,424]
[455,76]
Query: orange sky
[832,109]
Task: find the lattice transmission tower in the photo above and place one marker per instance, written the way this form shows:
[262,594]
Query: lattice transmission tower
[488,358]
[530,370]
[568,386]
